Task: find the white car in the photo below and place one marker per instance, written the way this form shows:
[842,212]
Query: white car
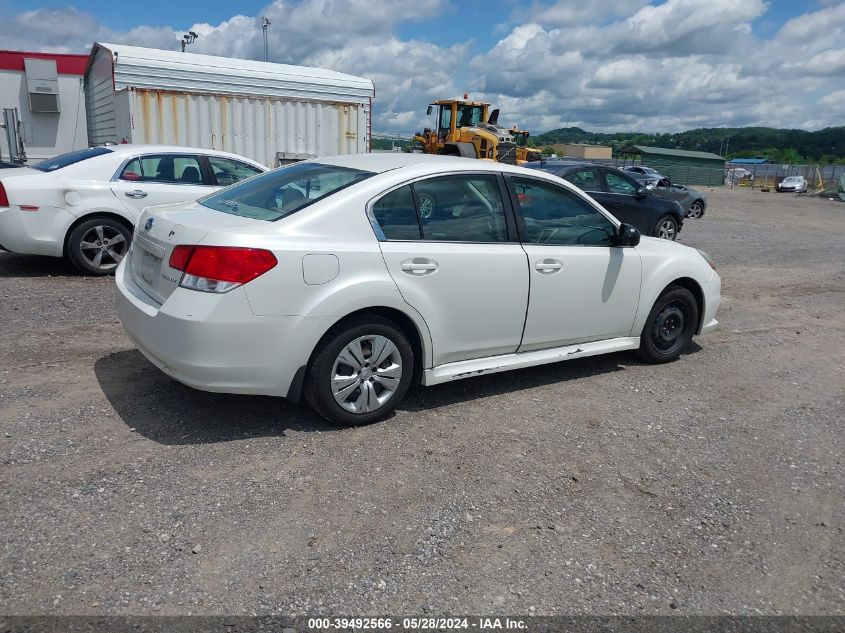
[83,205]
[346,278]
[797,184]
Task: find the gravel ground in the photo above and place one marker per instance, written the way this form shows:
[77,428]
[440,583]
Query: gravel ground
[711,485]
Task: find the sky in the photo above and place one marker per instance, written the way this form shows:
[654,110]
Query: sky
[603,65]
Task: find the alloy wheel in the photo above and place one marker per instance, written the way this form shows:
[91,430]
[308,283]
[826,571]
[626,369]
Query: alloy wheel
[667,229]
[366,374]
[695,210]
[103,247]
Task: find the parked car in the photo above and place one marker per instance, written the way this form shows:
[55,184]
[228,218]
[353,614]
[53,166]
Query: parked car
[643,173]
[692,200]
[83,205]
[346,278]
[797,184]
[625,197]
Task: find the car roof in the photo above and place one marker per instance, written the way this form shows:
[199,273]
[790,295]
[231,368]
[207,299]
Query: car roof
[386,161]
[129,149]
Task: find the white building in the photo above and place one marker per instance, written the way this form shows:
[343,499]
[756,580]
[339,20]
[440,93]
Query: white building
[260,110]
[46,90]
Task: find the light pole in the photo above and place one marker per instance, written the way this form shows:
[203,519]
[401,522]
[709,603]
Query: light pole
[265,22]
[188,38]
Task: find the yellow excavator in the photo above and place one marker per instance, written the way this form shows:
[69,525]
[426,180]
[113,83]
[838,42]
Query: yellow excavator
[468,128]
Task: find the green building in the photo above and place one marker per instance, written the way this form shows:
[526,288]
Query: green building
[681,166]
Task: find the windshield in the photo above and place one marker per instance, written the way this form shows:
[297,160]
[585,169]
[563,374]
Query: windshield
[63,160]
[469,115]
[792,179]
[278,193]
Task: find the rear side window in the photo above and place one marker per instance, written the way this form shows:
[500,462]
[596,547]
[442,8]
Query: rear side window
[396,216]
[169,168]
[52,164]
[461,208]
[228,172]
[281,192]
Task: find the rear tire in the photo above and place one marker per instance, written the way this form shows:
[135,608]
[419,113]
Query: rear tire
[670,326]
[96,246]
[666,228]
[360,371]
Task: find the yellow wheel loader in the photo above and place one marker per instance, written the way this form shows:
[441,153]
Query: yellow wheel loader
[468,129]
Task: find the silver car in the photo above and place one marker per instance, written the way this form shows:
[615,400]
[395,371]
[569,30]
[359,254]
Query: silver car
[692,200]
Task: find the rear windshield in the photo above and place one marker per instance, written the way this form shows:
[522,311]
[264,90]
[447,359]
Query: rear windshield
[283,191]
[63,160]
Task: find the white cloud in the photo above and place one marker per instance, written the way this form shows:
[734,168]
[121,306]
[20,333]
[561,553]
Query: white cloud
[600,64]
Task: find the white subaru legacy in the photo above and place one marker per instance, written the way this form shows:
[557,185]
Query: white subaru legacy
[346,279]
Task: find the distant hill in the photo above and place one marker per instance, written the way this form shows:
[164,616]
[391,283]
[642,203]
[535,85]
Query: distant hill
[779,145]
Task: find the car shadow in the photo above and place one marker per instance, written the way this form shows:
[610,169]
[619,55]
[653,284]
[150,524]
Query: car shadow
[14,265]
[165,411]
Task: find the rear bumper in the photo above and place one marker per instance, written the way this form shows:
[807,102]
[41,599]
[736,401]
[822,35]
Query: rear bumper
[39,232]
[214,342]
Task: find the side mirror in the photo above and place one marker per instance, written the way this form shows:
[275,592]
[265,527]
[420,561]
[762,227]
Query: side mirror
[429,110]
[642,191]
[627,235]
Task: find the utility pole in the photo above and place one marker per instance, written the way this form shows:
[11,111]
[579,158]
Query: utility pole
[265,22]
[188,38]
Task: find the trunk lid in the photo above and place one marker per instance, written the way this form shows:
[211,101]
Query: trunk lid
[160,229]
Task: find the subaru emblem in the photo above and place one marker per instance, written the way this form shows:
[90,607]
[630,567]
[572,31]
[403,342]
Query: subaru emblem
[149,224]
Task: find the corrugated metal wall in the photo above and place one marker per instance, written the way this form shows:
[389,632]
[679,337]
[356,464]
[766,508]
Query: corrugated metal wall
[99,100]
[687,171]
[255,127]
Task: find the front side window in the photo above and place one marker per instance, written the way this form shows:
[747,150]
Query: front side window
[617,183]
[554,215]
[469,116]
[228,171]
[279,193]
[63,160]
[167,168]
[445,118]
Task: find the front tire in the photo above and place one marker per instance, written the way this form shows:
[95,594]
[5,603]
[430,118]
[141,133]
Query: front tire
[96,246]
[670,326]
[696,209]
[360,371]
[666,228]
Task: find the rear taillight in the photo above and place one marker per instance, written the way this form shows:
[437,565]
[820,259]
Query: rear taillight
[4,199]
[219,268]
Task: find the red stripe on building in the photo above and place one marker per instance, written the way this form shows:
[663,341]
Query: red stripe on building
[65,64]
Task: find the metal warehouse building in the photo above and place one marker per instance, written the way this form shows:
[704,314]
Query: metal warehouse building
[256,109]
[41,102]
[681,166]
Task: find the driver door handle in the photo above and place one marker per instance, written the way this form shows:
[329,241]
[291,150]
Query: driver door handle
[548,266]
[137,193]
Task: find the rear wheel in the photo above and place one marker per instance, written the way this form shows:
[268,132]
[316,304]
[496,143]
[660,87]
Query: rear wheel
[667,228]
[98,245]
[670,326]
[360,371]
[696,209]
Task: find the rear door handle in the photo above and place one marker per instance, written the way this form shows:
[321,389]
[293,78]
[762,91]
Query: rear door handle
[137,193]
[548,266]
[419,266]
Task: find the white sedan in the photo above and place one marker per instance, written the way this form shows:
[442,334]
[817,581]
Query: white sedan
[346,278]
[83,205]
